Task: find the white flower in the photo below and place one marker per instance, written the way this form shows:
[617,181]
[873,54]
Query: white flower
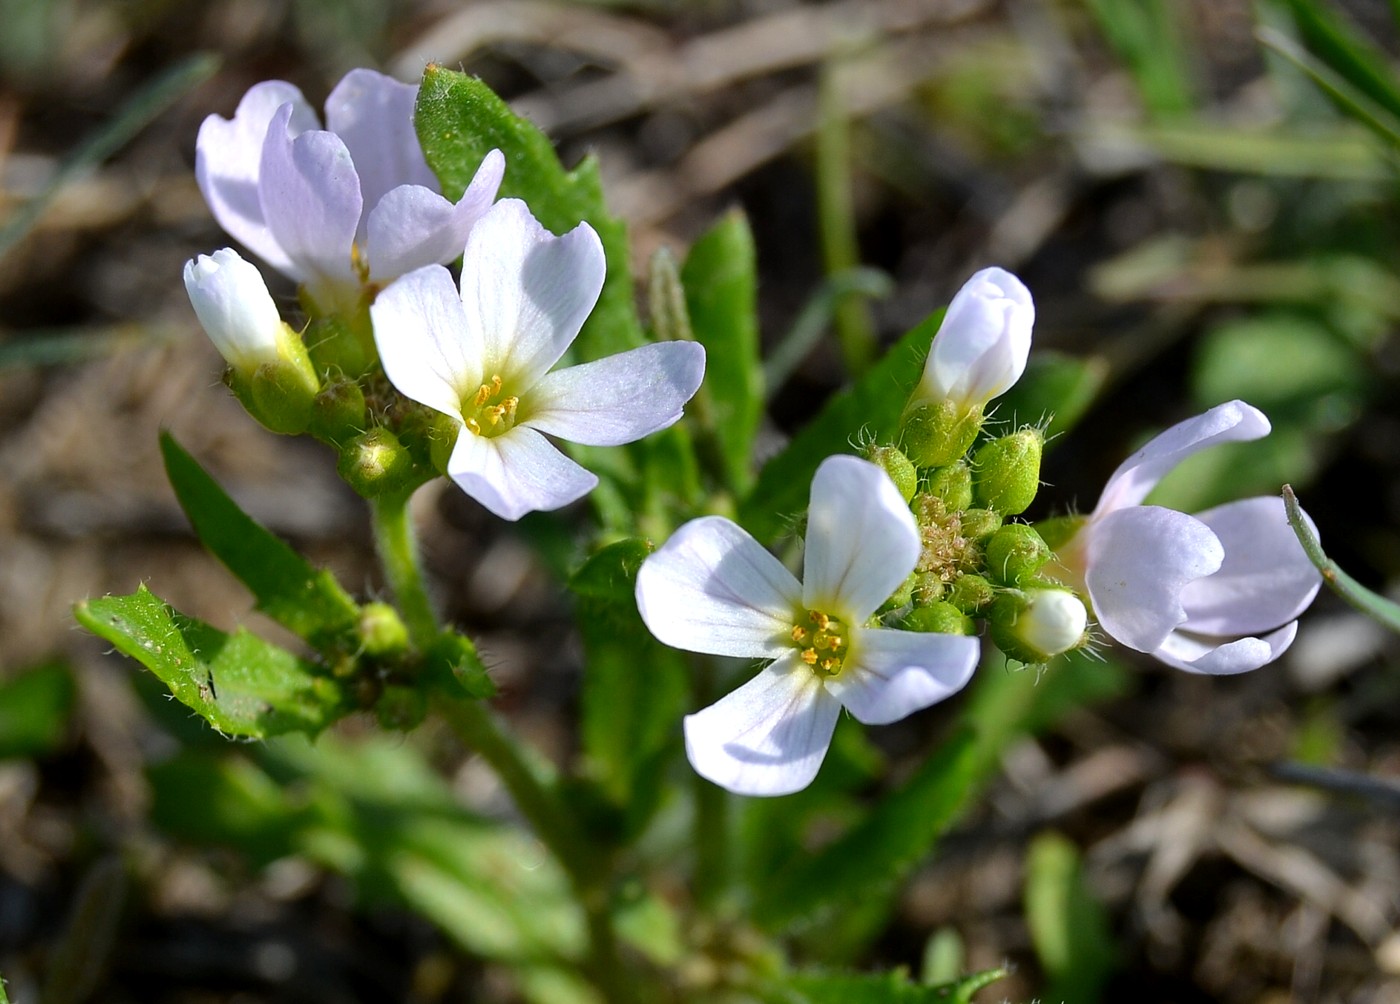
[483,357]
[232,302]
[712,588]
[335,209]
[981,347]
[1217,593]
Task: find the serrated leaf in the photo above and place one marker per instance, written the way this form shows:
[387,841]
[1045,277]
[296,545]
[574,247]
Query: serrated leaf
[721,298]
[459,120]
[869,409]
[34,710]
[241,684]
[302,598]
[1068,926]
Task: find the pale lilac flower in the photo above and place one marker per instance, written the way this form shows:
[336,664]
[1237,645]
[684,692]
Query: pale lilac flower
[981,347]
[483,358]
[232,302]
[1217,593]
[335,210]
[712,588]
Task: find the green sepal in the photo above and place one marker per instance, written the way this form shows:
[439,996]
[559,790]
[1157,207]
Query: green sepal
[279,395]
[1006,472]
[452,663]
[377,463]
[381,631]
[338,411]
[971,593]
[1015,553]
[939,618]
[902,596]
[979,524]
[937,433]
[952,484]
[894,463]
[339,344]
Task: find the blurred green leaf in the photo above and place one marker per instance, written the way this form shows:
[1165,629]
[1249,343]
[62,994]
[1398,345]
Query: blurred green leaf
[611,574]
[35,707]
[1339,153]
[240,684]
[305,600]
[1352,100]
[1378,608]
[870,409]
[721,300]
[1068,926]
[880,988]
[216,800]
[1338,44]
[1054,386]
[1146,35]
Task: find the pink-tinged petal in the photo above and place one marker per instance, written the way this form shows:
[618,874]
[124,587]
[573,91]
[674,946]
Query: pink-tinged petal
[891,674]
[311,201]
[983,342]
[1266,578]
[228,162]
[420,330]
[516,473]
[1231,422]
[862,541]
[768,737]
[412,225]
[1139,560]
[527,291]
[618,399]
[1224,656]
[373,114]
[712,588]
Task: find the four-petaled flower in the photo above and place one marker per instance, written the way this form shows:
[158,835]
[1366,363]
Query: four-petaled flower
[483,358]
[712,588]
[335,210]
[1217,593]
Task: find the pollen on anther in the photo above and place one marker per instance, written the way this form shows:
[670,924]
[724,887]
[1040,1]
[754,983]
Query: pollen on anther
[820,619]
[809,656]
[799,633]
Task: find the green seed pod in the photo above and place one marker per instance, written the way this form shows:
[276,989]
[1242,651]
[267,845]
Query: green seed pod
[897,466]
[971,593]
[376,463]
[1007,472]
[953,484]
[937,434]
[1015,553]
[939,618]
[979,524]
[1036,625]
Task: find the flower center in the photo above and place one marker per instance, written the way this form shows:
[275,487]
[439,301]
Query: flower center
[488,412]
[822,641]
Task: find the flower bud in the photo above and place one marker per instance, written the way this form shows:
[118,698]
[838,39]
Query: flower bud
[938,433]
[902,596]
[979,524]
[981,347]
[1036,625]
[232,302]
[939,618]
[376,463]
[928,588]
[971,593]
[1015,553]
[381,630]
[338,413]
[953,484]
[279,395]
[1007,472]
[897,466]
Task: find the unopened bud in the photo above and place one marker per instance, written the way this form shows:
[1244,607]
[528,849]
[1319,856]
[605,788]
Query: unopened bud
[970,593]
[338,413]
[1036,625]
[1015,553]
[953,484]
[978,524]
[894,463]
[280,396]
[939,618]
[232,302]
[1007,472]
[937,433]
[381,630]
[375,463]
[981,346]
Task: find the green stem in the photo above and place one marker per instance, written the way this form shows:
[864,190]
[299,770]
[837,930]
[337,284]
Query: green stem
[398,552]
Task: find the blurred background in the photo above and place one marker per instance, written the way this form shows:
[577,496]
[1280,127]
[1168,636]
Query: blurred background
[1202,194]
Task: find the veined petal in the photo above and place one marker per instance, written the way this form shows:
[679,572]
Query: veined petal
[982,345]
[373,114]
[1224,656]
[862,541]
[311,201]
[891,674]
[421,332]
[526,291]
[412,226]
[768,737]
[1231,422]
[228,161]
[1266,578]
[1139,560]
[712,588]
[618,399]
[516,473]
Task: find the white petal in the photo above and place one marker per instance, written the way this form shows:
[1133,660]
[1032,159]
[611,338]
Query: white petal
[516,473]
[1231,422]
[233,305]
[1139,561]
[1224,656]
[421,332]
[618,399]
[1266,578]
[862,541]
[890,674]
[768,737]
[228,161]
[712,588]
[311,200]
[412,226]
[527,291]
[373,114]
[983,342]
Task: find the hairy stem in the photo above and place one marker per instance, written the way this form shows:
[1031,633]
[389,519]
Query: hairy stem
[398,552]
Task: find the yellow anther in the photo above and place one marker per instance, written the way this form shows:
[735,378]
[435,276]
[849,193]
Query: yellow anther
[809,656]
[820,619]
[799,633]
[829,664]
[474,426]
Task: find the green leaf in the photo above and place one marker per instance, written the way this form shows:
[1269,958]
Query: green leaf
[459,120]
[869,409]
[1068,926]
[721,299]
[1378,608]
[872,855]
[240,684]
[611,574]
[878,988]
[1350,56]
[1344,94]
[35,707]
[221,801]
[1146,36]
[305,600]
[1054,386]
